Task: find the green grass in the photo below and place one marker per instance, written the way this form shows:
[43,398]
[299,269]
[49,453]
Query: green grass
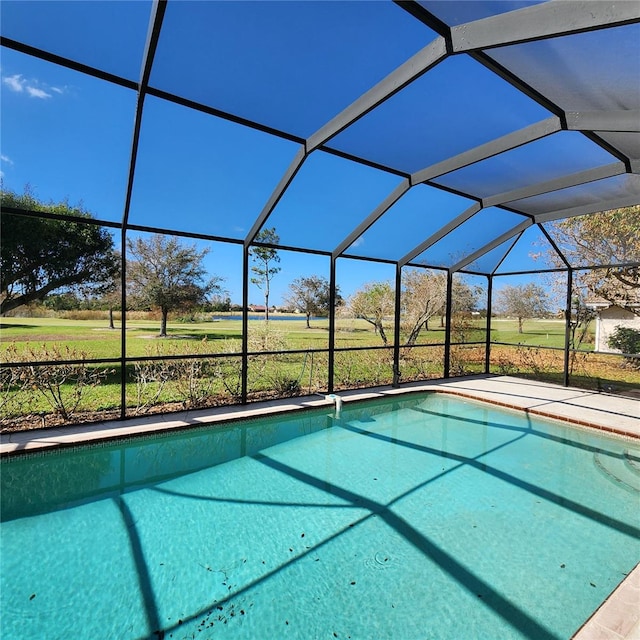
[49,338]
[96,340]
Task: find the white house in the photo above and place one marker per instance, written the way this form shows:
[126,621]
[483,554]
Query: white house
[608,317]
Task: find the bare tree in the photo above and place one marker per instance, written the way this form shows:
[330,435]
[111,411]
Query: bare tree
[374,302]
[424,295]
[522,302]
[311,295]
[607,238]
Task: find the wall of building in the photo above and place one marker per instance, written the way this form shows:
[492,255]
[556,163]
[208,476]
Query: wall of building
[607,321]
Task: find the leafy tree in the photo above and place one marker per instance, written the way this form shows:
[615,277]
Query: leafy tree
[113,292]
[608,238]
[40,255]
[265,259]
[167,275]
[310,295]
[373,303]
[522,301]
[625,339]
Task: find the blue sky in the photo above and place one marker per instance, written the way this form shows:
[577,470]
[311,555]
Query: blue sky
[68,135]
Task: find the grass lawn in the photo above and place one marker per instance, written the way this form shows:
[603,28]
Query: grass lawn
[96,340]
[173,384]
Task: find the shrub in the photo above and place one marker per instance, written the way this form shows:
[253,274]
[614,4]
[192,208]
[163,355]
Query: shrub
[62,386]
[625,339]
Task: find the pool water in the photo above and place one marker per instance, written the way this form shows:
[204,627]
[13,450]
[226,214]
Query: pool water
[425,517]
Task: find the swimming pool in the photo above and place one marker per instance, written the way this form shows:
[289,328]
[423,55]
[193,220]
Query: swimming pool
[422,517]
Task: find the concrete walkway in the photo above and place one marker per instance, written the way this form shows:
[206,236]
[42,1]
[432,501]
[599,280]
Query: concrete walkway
[607,412]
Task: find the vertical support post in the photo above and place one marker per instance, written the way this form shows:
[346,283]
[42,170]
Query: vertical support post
[245,322]
[487,348]
[123,323]
[332,323]
[447,335]
[396,327]
[567,329]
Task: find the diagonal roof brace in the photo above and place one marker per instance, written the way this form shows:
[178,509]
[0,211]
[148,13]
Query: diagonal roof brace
[278,192]
[380,210]
[155,25]
[539,21]
[596,207]
[494,147]
[443,231]
[565,182]
[496,242]
[413,68]
[403,75]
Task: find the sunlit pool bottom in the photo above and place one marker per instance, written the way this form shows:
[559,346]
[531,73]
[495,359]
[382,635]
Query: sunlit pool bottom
[427,517]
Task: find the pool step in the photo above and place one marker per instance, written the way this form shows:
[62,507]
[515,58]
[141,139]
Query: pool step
[623,470]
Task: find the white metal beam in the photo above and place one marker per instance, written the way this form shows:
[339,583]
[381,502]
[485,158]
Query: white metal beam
[443,231]
[491,245]
[544,20]
[494,147]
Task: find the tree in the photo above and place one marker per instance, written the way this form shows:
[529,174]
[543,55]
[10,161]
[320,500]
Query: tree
[113,291]
[167,275]
[310,295]
[424,295]
[41,255]
[373,303]
[265,258]
[608,238]
[625,339]
[522,301]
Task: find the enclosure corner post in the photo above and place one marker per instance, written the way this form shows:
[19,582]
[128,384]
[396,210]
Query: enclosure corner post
[245,323]
[123,323]
[567,328]
[487,349]
[332,323]
[447,335]
[396,327]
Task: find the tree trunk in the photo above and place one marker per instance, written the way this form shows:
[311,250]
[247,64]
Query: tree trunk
[163,323]
[111,318]
[308,316]
[383,335]
[415,332]
[520,325]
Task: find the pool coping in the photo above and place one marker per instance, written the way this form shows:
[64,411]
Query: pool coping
[618,617]
[620,417]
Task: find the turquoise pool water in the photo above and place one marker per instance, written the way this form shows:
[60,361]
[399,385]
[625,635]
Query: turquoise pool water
[426,517]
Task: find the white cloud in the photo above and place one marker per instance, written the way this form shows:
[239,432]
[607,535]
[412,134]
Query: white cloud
[37,93]
[19,84]
[6,159]
[15,83]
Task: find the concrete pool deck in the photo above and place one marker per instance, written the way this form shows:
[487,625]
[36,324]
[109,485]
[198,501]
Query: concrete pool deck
[617,618]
